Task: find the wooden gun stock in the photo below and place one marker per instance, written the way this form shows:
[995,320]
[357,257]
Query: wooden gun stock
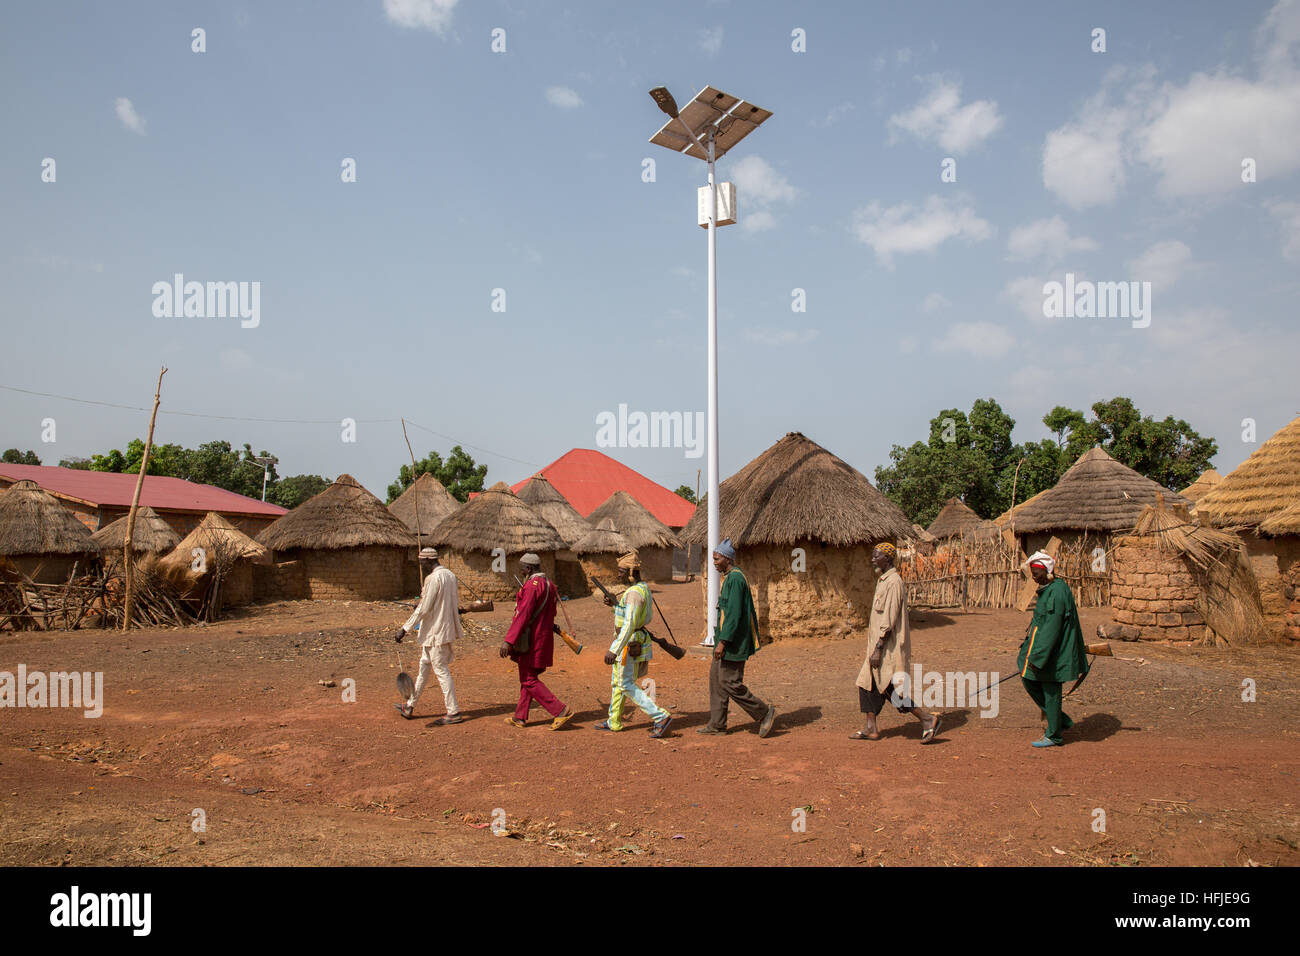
[574,645]
[1099,650]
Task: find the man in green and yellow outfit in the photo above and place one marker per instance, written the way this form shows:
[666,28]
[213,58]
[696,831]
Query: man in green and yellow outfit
[630,656]
[735,641]
[1053,650]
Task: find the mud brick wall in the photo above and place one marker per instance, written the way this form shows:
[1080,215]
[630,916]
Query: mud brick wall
[285,581]
[1153,593]
[832,598]
[1288,559]
[354,574]
[602,567]
[473,569]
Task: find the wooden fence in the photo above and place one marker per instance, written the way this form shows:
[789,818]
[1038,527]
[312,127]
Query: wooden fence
[979,571]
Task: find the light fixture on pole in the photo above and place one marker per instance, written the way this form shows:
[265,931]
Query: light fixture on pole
[266,464]
[707,128]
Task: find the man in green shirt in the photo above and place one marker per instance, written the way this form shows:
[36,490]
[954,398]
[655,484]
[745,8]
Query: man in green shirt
[1053,650]
[735,640]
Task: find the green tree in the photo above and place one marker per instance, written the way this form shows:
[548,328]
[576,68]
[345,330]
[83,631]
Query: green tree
[292,491]
[1169,452]
[687,492]
[76,464]
[12,456]
[458,474]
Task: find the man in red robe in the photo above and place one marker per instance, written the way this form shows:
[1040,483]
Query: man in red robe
[530,643]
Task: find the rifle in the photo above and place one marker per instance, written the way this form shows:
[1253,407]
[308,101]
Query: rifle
[674,650]
[574,644]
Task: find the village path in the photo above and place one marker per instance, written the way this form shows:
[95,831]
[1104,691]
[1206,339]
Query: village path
[231,719]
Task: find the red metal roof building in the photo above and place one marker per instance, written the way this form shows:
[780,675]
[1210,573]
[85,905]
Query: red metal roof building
[100,497]
[587,477]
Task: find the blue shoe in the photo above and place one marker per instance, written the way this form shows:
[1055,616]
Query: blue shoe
[661,727]
[1045,742]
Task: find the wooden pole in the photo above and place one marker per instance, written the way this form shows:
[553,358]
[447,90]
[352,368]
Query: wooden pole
[135,505]
[419,542]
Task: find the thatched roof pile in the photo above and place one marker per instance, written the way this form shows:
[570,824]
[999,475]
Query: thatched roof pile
[32,521]
[497,519]
[1263,485]
[954,519]
[1097,493]
[603,539]
[634,522]
[1207,482]
[797,490]
[540,495]
[920,534]
[431,497]
[217,536]
[344,515]
[153,535]
[1229,595]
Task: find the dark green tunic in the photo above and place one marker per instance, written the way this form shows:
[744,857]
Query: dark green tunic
[1053,649]
[737,619]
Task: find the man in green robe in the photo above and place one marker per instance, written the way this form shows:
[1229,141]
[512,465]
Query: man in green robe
[1053,650]
[735,640]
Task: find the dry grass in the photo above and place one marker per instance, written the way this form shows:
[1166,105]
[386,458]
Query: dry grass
[1262,486]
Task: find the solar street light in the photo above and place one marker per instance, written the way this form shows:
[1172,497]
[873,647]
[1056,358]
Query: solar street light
[709,126]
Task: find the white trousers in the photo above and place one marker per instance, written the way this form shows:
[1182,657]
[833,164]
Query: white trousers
[437,659]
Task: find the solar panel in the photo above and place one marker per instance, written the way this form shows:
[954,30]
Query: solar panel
[734,118]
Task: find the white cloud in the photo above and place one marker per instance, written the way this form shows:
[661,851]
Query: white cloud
[941,118]
[1025,294]
[1161,264]
[935,302]
[563,97]
[760,186]
[1046,239]
[1192,135]
[982,339]
[710,40]
[128,116]
[904,228]
[833,115]
[781,337]
[432,15]
[1288,216]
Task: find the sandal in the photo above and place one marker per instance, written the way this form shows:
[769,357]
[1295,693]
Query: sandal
[928,735]
[859,735]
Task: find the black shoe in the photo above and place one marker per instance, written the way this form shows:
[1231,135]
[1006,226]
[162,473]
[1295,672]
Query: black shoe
[706,729]
[765,727]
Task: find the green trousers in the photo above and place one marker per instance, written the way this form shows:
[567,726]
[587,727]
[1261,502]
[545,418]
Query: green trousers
[1047,695]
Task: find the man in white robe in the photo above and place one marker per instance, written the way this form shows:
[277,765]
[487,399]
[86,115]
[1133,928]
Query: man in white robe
[438,618]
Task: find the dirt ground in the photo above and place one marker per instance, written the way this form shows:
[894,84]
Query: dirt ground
[233,720]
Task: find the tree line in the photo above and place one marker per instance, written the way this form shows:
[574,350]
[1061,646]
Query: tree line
[971,456]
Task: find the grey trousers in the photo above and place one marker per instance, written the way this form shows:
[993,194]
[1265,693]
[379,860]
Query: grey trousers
[727,683]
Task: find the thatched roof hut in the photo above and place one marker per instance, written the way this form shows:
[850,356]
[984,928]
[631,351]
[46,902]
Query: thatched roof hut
[152,535]
[216,545]
[40,537]
[1097,494]
[954,519]
[1203,485]
[430,498]
[1264,484]
[540,495]
[804,522]
[1285,522]
[483,541]
[600,550]
[653,540]
[351,546]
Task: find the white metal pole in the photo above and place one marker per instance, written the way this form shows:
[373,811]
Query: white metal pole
[714,520]
[266,470]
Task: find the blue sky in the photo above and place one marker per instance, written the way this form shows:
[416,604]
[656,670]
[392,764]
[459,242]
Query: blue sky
[522,171]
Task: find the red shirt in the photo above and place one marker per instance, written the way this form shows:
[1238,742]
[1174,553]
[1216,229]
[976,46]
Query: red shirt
[537,591]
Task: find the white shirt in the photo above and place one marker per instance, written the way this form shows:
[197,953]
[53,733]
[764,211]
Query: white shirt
[438,610]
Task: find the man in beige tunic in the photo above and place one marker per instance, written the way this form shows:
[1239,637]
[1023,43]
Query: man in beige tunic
[889,652]
[438,618]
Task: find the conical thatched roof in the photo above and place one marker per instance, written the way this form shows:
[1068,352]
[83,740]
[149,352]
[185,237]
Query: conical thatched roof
[497,519]
[153,535]
[1005,517]
[344,515]
[215,534]
[540,495]
[1198,489]
[953,519]
[33,522]
[434,500]
[634,522]
[603,539]
[1097,493]
[797,490]
[1261,486]
[1285,522]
